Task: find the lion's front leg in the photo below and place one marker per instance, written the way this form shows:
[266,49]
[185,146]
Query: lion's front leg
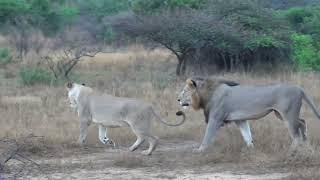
[213,125]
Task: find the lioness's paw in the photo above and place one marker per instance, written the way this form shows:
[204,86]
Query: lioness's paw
[146,152]
[197,150]
[132,148]
[108,141]
[81,142]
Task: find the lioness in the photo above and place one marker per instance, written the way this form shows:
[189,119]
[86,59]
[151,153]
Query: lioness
[225,101]
[110,111]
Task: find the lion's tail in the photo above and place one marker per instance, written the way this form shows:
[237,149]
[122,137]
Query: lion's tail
[311,104]
[179,113]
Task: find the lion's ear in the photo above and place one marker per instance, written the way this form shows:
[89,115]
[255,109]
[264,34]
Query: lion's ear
[83,84]
[69,85]
[191,83]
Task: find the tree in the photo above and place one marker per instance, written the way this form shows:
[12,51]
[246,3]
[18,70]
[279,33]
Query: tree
[19,19]
[225,34]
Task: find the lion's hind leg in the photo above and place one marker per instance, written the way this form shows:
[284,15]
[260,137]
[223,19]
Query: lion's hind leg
[303,129]
[296,128]
[245,132]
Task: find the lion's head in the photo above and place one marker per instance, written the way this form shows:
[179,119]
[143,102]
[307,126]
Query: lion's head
[198,91]
[189,95]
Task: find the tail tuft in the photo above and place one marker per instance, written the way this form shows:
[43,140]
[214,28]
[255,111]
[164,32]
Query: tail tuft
[179,113]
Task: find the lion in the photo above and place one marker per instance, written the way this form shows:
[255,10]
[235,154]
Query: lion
[109,111]
[224,101]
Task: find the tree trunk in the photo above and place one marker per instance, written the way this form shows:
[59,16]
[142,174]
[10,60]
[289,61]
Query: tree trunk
[178,68]
[225,65]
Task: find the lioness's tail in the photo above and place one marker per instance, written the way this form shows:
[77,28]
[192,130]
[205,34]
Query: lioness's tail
[311,104]
[179,113]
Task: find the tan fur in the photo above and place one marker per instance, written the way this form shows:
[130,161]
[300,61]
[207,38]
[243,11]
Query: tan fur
[110,111]
[201,94]
[222,103]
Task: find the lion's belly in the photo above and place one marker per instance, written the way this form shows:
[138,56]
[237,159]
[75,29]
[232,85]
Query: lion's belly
[247,115]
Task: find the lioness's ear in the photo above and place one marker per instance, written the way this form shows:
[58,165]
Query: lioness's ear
[69,85]
[191,83]
[83,84]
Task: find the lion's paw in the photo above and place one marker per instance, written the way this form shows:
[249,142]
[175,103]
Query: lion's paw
[201,149]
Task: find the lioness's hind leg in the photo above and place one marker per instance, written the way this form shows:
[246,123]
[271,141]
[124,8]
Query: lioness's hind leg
[138,142]
[153,142]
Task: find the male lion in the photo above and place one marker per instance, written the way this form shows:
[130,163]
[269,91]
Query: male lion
[224,101]
[110,111]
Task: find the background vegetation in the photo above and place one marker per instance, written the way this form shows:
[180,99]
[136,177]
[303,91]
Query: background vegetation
[206,36]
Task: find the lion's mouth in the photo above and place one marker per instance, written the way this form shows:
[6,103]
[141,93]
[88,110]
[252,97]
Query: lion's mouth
[184,104]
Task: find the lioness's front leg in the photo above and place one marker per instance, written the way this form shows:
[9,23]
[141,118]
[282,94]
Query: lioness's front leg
[84,124]
[103,136]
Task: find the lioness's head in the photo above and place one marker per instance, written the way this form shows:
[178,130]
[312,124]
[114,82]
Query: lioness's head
[198,91]
[73,92]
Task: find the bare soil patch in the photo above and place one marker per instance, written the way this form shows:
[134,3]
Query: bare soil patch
[172,160]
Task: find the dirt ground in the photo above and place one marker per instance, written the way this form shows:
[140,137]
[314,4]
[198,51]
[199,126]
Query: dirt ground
[171,160]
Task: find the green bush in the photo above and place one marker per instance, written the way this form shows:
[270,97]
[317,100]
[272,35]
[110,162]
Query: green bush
[305,54]
[35,75]
[296,15]
[143,6]
[5,56]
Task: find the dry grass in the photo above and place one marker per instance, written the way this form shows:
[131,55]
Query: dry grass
[150,76]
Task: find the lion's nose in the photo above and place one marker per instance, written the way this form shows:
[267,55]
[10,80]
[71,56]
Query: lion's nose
[178,100]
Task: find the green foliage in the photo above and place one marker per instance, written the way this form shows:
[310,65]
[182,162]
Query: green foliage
[34,75]
[230,31]
[9,9]
[303,19]
[305,49]
[264,42]
[96,10]
[143,6]
[109,34]
[101,8]
[5,56]
[296,15]
[47,15]
[305,54]
[67,14]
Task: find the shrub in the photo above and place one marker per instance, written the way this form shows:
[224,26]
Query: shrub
[145,6]
[297,15]
[5,56]
[305,54]
[35,75]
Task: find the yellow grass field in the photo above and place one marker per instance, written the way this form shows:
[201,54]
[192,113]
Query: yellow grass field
[150,75]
